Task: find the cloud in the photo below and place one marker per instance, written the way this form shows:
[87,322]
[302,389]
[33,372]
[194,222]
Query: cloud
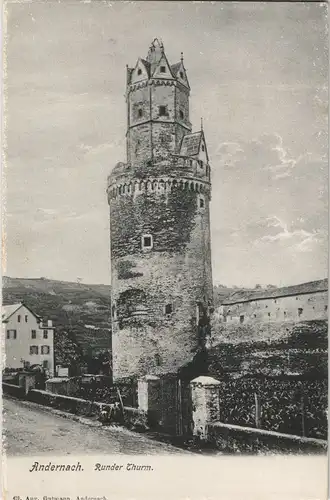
[298,239]
[266,153]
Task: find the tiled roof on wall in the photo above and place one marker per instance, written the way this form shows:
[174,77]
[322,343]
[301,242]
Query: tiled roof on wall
[272,293]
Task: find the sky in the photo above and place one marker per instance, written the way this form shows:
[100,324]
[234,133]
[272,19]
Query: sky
[258,74]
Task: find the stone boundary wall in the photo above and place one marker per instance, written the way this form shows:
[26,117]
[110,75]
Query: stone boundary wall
[76,406]
[13,390]
[236,439]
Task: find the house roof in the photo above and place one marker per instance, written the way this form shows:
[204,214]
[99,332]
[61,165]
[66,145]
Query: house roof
[273,293]
[8,310]
[190,144]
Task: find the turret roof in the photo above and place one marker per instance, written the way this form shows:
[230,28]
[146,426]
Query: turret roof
[175,67]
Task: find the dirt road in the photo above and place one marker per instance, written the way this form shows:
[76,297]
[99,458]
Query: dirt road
[34,430]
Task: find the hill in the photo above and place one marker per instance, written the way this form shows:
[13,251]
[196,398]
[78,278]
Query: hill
[84,309]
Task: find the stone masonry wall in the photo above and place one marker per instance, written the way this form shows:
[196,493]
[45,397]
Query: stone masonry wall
[175,271]
[302,307]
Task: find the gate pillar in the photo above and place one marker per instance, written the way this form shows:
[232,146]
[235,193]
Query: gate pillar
[205,397]
[149,397]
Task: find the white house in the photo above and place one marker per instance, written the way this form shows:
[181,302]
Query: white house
[27,340]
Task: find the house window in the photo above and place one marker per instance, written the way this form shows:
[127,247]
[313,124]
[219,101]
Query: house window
[45,334]
[45,363]
[33,334]
[147,241]
[300,311]
[201,164]
[139,71]
[203,147]
[168,309]
[33,349]
[254,315]
[201,203]
[140,113]
[181,74]
[163,69]
[284,313]
[241,318]
[19,318]
[26,318]
[181,114]
[11,333]
[325,308]
[162,110]
[268,315]
[14,332]
[45,349]
[157,359]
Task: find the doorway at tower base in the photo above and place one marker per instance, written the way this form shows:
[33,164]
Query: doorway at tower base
[166,398]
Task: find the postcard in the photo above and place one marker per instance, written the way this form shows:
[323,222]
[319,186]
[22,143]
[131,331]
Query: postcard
[165,250]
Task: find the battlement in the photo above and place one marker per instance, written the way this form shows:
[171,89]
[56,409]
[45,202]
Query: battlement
[157,185]
[175,166]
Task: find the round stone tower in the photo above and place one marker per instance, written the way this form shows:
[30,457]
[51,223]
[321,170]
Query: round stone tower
[161,277]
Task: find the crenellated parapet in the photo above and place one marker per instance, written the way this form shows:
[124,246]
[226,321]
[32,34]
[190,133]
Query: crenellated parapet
[157,185]
[175,165]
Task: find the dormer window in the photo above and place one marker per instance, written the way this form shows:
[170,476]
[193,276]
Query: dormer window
[139,71]
[181,114]
[163,69]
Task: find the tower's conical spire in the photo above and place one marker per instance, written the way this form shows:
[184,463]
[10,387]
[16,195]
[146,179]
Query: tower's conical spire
[155,53]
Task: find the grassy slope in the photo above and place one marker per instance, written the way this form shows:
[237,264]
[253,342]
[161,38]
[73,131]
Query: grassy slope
[69,305]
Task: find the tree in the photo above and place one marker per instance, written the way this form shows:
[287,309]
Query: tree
[67,350]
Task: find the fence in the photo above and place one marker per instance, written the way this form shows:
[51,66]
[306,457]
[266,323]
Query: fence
[296,407]
[132,416]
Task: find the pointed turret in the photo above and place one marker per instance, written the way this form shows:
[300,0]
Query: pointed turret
[155,54]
